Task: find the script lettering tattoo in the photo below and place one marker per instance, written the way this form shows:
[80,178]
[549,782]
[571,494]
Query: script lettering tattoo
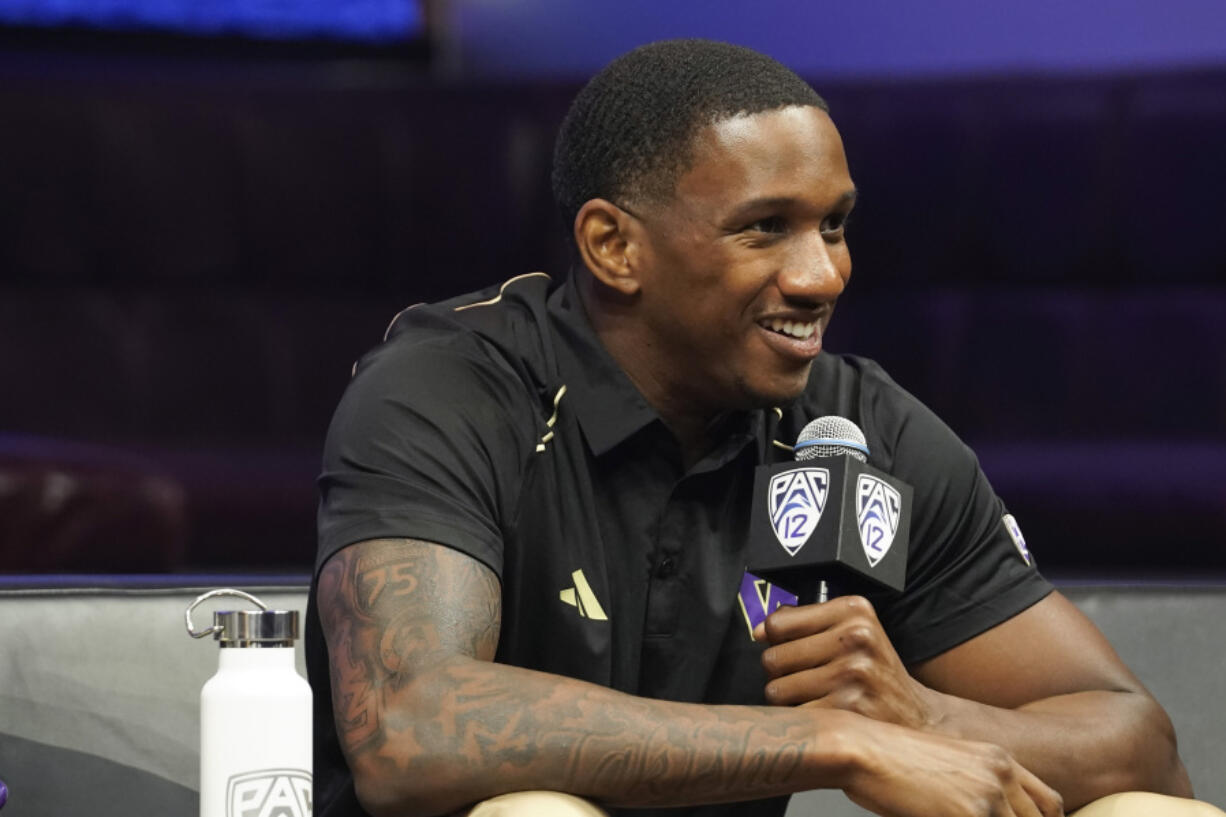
[404,622]
[721,754]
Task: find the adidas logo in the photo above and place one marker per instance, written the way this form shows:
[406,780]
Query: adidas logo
[581,596]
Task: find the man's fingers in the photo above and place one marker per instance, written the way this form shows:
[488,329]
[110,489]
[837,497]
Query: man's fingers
[844,639]
[789,623]
[1046,799]
[1021,803]
[799,655]
[809,687]
[1031,797]
[1027,796]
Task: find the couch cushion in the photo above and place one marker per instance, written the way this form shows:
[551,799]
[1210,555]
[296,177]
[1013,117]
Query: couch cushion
[103,667]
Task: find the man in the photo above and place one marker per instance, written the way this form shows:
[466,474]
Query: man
[536,498]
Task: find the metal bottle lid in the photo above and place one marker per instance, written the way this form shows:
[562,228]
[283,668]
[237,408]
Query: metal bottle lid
[247,628]
[256,628]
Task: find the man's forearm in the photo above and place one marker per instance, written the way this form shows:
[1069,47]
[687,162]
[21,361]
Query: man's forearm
[1086,745]
[470,729]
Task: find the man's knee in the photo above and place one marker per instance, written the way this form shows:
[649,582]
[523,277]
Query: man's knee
[536,804]
[1145,804]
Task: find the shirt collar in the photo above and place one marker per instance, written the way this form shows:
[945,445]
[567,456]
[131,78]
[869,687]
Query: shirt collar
[608,406]
[610,409]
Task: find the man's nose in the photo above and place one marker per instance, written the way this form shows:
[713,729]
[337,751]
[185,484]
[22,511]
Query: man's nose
[814,272]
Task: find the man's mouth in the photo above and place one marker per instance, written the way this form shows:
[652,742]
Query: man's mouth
[791,329]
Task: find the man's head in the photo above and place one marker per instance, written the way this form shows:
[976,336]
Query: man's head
[709,192]
[629,133]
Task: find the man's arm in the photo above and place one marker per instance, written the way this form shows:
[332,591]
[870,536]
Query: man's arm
[1045,685]
[429,723]
[1056,694]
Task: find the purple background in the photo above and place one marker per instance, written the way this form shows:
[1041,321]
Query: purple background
[197,241]
[865,38]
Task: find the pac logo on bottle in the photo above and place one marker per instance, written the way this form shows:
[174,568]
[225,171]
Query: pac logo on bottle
[269,793]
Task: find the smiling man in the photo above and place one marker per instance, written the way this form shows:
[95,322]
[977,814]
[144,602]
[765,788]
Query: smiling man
[531,590]
[733,274]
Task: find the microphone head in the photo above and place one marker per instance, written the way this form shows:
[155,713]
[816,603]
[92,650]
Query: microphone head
[831,436]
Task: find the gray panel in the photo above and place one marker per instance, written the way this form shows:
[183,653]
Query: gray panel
[113,673]
[1174,639]
[49,781]
[824,803]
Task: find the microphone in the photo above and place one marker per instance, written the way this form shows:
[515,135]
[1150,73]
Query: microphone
[829,523]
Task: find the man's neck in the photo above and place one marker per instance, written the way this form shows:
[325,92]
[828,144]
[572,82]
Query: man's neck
[697,431]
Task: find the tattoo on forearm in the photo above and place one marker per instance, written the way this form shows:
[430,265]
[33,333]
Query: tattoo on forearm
[381,603]
[398,611]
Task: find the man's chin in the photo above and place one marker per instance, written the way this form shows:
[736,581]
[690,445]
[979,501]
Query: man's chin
[778,394]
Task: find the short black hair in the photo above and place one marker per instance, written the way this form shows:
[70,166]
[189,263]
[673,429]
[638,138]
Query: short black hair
[629,133]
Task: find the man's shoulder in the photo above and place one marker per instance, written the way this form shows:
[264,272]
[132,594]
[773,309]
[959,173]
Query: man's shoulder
[847,385]
[861,390]
[847,369]
[502,330]
[486,355]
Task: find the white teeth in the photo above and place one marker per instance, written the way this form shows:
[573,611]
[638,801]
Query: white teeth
[795,329]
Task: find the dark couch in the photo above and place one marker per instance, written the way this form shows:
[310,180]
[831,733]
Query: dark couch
[99,690]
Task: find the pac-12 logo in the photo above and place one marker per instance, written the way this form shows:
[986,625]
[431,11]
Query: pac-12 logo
[878,507]
[269,793]
[795,501]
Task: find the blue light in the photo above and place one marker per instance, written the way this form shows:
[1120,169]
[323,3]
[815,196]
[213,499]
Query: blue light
[374,21]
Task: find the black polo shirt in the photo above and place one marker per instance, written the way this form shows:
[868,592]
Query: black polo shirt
[497,424]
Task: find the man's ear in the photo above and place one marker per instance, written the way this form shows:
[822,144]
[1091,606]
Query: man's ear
[607,239]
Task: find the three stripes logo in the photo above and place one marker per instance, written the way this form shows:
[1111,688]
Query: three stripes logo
[582,597]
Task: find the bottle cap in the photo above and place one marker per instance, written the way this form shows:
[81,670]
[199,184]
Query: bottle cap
[255,628]
[246,628]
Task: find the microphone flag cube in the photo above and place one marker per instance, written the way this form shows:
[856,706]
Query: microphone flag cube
[829,518]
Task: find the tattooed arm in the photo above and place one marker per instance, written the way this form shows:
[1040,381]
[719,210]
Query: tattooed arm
[430,724]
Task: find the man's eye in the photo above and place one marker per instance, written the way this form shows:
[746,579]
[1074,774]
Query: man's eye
[835,225]
[771,224]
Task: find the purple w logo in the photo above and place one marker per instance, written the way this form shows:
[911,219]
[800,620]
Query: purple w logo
[759,598]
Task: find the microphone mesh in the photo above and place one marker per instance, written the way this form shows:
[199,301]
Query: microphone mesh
[838,436]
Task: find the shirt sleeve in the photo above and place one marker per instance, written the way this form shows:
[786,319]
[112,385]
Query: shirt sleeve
[965,573]
[427,443]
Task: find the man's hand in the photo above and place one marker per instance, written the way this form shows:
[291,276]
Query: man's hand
[837,655]
[1044,685]
[904,773]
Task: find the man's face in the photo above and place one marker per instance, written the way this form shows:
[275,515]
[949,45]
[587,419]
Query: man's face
[741,268]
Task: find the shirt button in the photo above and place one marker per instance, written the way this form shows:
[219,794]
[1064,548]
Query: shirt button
[666,568]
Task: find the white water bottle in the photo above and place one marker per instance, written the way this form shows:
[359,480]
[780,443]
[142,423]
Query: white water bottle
[255,716]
